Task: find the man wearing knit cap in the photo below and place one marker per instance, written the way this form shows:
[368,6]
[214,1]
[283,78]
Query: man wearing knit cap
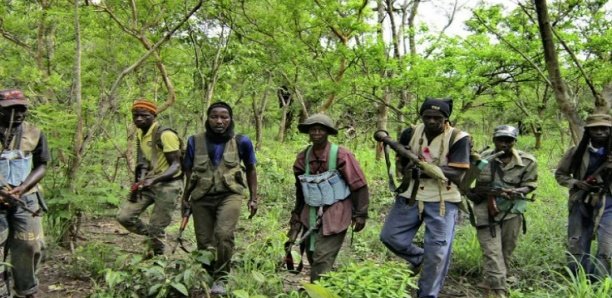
[216,186]
[23,163]
[158,177]
[586,170]
[428,200]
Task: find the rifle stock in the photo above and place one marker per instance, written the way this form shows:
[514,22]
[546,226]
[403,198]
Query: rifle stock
[430,170]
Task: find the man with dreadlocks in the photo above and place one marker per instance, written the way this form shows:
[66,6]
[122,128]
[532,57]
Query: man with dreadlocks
[215,186]
[585,170]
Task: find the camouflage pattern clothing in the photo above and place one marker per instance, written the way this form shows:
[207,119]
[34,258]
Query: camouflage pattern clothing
[520,171]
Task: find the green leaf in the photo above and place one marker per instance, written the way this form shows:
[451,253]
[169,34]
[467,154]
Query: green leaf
[241,294]
[318,291]
[180,287]
[154,289]
[258,276]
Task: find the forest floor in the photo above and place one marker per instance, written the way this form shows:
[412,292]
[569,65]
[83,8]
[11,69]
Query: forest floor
[60,277]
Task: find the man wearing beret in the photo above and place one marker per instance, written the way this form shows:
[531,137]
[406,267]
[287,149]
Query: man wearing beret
[585,170]
[434,202]
[499,204]
[23,163]
[327,214]
[159,177]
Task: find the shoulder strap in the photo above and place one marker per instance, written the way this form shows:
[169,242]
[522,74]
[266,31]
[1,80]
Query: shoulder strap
[333,156]
[453,136]
[158,133]
[331,160]
[307,159]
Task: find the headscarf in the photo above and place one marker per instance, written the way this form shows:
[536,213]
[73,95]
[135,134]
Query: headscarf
[229,132]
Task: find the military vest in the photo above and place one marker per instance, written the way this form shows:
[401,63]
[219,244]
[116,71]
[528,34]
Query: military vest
[226,177]
[430,190]
[16,159]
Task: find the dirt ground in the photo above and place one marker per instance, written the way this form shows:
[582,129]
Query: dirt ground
[56,279]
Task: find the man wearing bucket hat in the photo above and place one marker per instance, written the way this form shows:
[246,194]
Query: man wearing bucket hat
[434,202]
[159,178]
[331,194]
[585,170]
[23,163]
[499,204]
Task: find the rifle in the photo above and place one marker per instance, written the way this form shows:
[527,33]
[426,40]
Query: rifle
[136,189]
[592,180]
[179,238]
[492,193]
[294,231]
[430,170]
[12,201]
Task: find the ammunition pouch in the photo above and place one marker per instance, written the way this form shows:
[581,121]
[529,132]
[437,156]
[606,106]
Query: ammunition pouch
[323,189]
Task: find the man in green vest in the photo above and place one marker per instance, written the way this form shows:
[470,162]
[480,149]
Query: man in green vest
[327,215]
[216,185]
[159,178]
[23,163]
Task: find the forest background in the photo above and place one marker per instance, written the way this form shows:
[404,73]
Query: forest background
[543,65]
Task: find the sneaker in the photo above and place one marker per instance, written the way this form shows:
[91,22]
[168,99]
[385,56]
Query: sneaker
[218,288]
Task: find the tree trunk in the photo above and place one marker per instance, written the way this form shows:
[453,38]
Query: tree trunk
[554,73]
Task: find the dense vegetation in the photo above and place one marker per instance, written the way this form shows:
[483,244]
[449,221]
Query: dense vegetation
[369,64]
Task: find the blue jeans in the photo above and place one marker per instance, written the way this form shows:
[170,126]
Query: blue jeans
[580,230]
[23,235]
[399,230]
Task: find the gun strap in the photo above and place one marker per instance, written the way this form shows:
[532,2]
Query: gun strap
[392,187]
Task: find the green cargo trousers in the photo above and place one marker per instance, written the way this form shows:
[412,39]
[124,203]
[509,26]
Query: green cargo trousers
[23,235]
[324,255]
[497,251]
[214,223]
[164,196]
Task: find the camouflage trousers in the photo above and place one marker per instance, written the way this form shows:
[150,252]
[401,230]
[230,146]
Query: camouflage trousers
[497,251]
[214,221]
[22,234]
[164,196]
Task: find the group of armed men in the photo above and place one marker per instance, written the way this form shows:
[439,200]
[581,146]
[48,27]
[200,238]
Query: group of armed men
[332,194]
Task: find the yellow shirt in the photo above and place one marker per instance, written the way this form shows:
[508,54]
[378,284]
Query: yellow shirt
[170,143]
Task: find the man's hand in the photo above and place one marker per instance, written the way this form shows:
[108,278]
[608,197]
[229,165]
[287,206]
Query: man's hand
[185,207]
[252,207]
[17,191]
[147,182]
[358,223]
[584,185]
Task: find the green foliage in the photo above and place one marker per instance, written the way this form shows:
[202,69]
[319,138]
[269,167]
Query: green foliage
[158,277]
[367,279]
[92,260]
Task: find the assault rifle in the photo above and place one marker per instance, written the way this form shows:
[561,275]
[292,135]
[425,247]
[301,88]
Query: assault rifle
[491,194]
[179,237]
[430,170]
[136,188]
[592,180]
[12,200]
